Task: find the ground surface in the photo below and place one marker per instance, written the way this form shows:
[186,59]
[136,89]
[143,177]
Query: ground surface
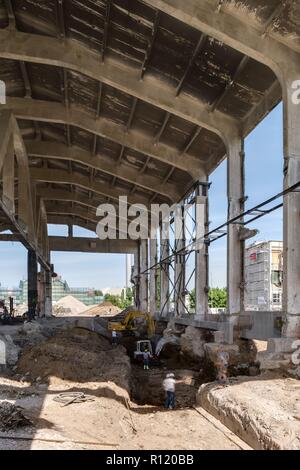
[83,361]
[263,410]
[108,422]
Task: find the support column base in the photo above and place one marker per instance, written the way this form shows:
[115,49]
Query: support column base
[291,327]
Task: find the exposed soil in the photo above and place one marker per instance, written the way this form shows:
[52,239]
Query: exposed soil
[127,409]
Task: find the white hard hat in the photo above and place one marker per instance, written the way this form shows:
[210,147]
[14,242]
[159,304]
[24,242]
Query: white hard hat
[171,375]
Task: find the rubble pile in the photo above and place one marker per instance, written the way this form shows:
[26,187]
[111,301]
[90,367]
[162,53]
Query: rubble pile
[12,417]
[104,309]
[68,306]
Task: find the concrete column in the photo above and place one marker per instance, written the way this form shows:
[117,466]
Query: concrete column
[23,209]
[70,231]
[153,275]
[135,277]
[9,177]
[235,247]
[32,282]
[41,293]
[164,269]
[144,276]
[179,278]
[291,209]
[201,255]
[48,293]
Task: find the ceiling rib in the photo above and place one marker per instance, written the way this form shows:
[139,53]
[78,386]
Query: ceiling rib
[151,41]
[244,61]
[11,14]
[132,111]
[275,14]
[98,111]
[192,140]
[60,18]
[196,52]
[106,29]
[163,127]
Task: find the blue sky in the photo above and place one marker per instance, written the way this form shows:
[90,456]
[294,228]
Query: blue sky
[264,164]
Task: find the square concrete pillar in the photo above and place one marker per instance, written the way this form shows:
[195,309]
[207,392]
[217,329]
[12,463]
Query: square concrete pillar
[291,208]
[202,255]
[179,278]
[136,277]
[235,247]
[32,276]
[143,289]
[153,274]
[164,269]
[8,177]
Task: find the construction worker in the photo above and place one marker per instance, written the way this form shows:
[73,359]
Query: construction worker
[169,387]
[146,358]
[114,338]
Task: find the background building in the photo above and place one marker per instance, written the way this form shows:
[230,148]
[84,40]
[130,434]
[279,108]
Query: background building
[263,276]
[60,288]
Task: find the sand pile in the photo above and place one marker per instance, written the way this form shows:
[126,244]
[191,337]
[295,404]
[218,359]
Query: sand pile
[105,309]
[68,305]
[76,355]
[11,417]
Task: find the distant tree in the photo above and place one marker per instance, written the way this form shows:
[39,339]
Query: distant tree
[98,293]
[217,298]
[121,301]
[192,299]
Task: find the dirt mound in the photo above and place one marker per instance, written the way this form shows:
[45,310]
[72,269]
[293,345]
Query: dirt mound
[76,355]
[11,417]
[68,305]
[104,309]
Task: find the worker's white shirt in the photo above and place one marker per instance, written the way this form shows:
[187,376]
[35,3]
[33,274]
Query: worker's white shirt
[169,385]
[114,334]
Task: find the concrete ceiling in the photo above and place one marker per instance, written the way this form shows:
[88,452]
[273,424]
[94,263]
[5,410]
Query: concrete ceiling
[128,99]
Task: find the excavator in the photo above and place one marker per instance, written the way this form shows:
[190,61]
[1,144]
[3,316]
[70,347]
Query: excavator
[130,324]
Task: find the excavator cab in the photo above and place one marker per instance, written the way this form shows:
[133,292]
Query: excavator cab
[141,347]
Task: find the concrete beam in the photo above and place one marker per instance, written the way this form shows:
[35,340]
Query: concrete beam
[228,29]
[62,219]
[71,54]
[45,111]
[52,196]
[64,177]
[92,245]
[56,151]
